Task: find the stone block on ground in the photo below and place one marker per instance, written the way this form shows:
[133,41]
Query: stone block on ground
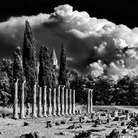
[32,135]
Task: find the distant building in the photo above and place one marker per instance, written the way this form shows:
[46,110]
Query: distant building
[54,59]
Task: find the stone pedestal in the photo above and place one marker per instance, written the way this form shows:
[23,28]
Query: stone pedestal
[40,102]
[22,112]
[45,101]
[49,103]
[15,104]
[54,102]
[58,101]
[34,102]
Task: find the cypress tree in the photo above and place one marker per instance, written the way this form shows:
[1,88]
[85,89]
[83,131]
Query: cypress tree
[29,60]
[62,71]
[45,73]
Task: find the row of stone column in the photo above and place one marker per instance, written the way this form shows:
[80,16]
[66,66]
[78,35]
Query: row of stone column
[90,101]
[57,101]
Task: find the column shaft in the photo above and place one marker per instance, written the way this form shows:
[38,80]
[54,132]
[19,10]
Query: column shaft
[70,101]
[22,102]
[91,100]
[54,102]
[45,101]
[66,102]
[58,101]
[15,105]
[34,102]
[49,103]
[73,102]
[62,101]
[88,102]
[40,102]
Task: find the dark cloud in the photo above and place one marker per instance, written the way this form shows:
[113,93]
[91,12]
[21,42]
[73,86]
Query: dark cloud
[93,45]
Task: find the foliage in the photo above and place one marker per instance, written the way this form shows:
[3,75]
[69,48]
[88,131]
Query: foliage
[29,60]
[45,68]
[63,67]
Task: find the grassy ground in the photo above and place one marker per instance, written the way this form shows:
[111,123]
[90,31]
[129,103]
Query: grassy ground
[14,128]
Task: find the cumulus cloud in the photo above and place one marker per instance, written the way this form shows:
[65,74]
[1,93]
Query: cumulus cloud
[95,46]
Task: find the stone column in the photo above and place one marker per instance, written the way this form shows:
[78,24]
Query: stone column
[70,101]
[45,101]
[127,116]
[62,101]
[34,101]
[15,104]
[58,101]
[73,102]
[40,102]
[54,102]
[66,102]
[49,103]
[91,100]
[22,102]
[115,113]
[88,102]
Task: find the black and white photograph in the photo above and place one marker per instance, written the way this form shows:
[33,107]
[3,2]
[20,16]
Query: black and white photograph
[68,69]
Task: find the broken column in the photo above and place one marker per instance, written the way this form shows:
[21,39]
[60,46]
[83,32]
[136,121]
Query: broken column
[62,101]
[45,101]
[34,101]
[15,104]
[58,101]
[73,102]
[40,102]
[70,101]
[115,113]
[66,102]
[49,103]
[88,101]
[91,100]
[22,102]
[54,102]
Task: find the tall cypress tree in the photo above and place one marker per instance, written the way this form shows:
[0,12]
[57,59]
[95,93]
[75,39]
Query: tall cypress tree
[62,71]
[29,60]
[45,68]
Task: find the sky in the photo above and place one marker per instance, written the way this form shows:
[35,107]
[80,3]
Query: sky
[100,36]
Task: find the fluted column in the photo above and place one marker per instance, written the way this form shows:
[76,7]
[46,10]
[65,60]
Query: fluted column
[62,101]
[91,100]
[73,102]
[15,104]
[58,101]
[34,101]
[40,102]
[66,102]
[45,101]
[49,103]
[70,101]
[22,102]
[88,102]
[54,102]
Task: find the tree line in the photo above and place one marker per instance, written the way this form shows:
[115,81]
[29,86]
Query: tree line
[26,66]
